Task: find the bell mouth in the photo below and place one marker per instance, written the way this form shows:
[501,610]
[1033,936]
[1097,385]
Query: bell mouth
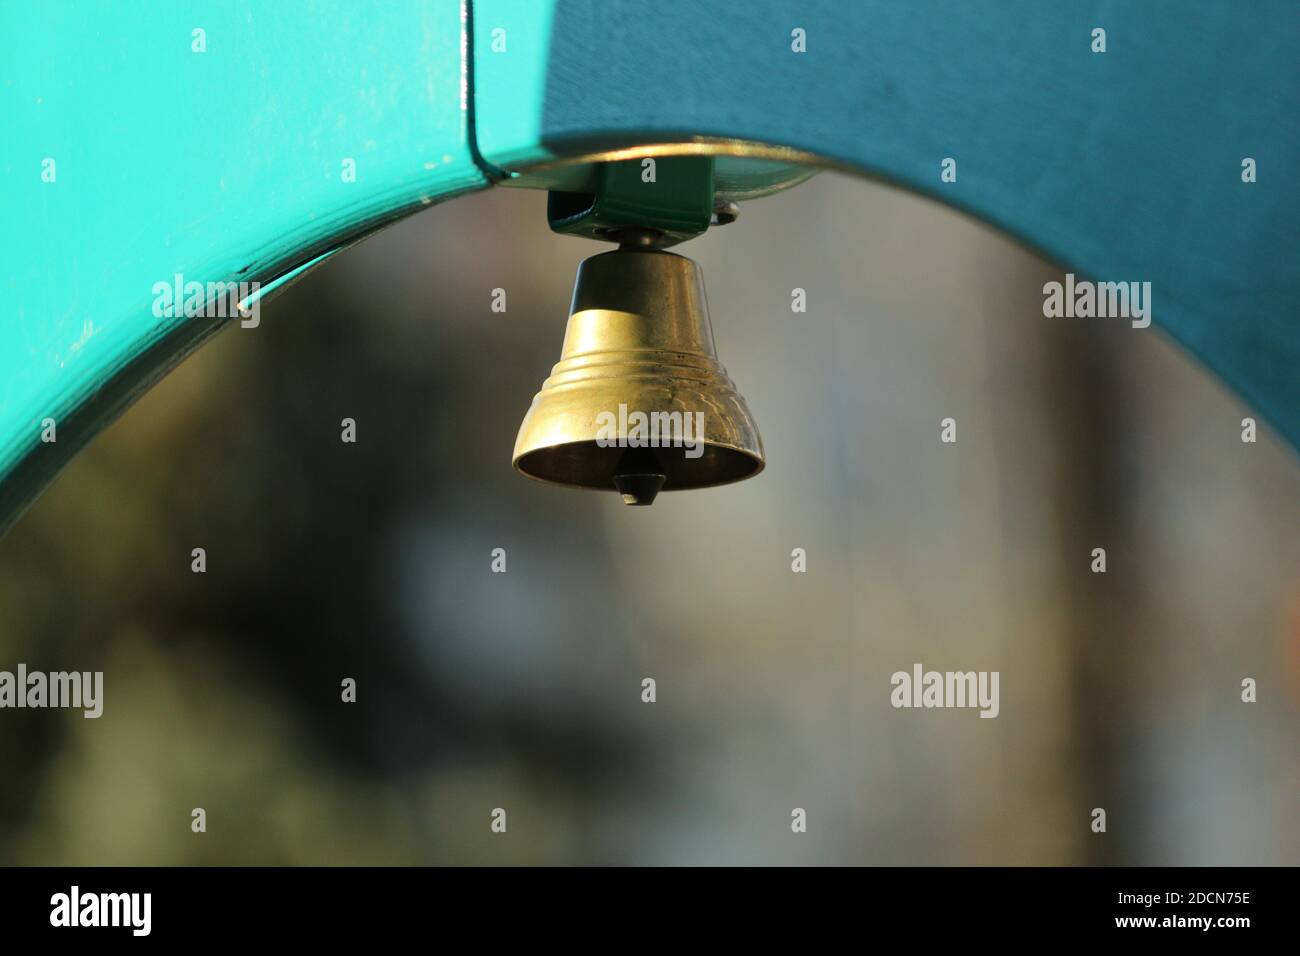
[590,464]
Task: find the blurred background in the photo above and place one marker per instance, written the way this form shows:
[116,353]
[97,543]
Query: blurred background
[523,690]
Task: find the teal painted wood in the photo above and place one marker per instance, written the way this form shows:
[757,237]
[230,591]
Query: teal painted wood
[512,60]
[221,165]
[226,164]
[1123,165]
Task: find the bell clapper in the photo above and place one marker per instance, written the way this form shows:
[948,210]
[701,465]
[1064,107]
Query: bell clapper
[639,476]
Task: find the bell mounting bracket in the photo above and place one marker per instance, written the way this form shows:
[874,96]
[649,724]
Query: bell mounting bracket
[650,202]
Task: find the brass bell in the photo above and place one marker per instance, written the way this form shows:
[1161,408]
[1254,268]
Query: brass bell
[638,402]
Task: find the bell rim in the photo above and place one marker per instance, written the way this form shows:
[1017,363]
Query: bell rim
[758,459]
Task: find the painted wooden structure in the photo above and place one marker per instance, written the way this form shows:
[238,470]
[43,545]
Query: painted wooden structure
[250,140]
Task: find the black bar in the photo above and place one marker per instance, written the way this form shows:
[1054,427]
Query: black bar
[439,905]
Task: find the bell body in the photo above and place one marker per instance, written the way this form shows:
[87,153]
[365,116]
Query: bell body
[638,401]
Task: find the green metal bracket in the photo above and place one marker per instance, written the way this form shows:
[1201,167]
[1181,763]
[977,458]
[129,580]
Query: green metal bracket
[672,196]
